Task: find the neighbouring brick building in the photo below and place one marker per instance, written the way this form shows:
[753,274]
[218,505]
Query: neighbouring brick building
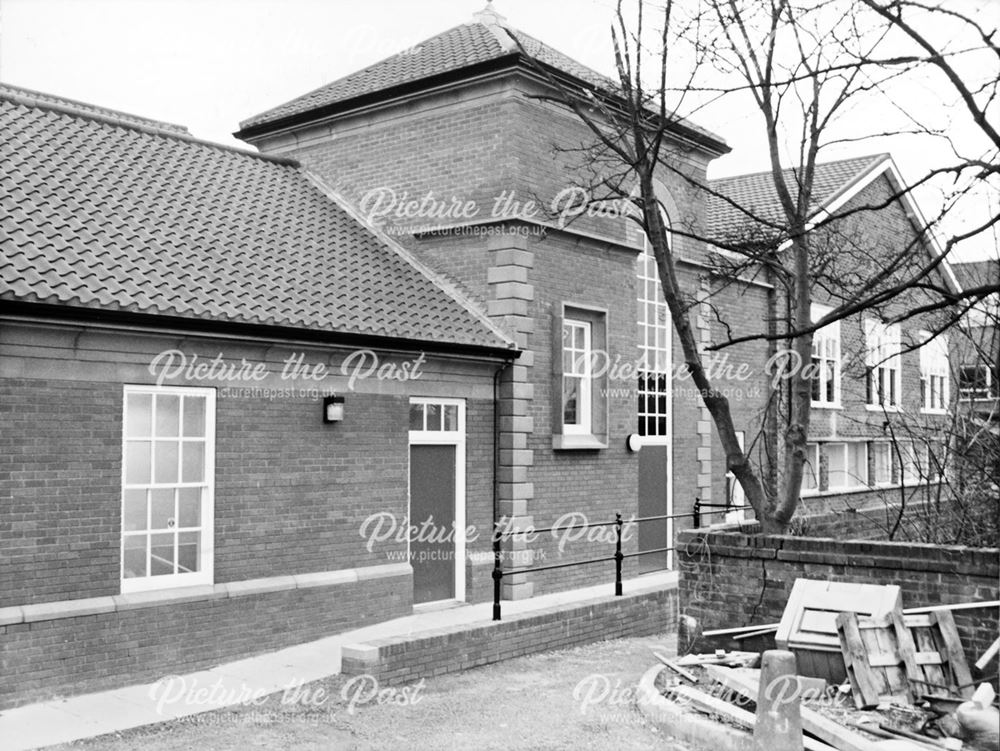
[883,395]
[976,355]
[167,302]
[977,351]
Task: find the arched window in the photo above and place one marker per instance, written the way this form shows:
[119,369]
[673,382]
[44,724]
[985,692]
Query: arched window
[653,387]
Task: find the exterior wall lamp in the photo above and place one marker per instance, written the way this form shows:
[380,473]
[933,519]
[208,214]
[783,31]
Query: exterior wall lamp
[333,409]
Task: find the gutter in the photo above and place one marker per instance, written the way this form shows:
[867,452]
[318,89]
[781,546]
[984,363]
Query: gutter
[30,312]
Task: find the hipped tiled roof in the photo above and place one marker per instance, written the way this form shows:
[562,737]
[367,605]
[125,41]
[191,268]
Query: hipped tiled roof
[485,38]
[109,211]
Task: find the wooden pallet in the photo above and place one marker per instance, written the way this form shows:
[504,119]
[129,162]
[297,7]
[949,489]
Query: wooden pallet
[897,657]
[938,656]
[879,656]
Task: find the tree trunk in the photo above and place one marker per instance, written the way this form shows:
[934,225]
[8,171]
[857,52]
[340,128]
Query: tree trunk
[716,403]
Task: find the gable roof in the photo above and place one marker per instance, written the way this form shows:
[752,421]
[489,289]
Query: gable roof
[105,211]
[467,48]
[834,184]
[977,273]
[755,197]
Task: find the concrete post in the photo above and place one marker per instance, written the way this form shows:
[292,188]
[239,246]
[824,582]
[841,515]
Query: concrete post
[779,719]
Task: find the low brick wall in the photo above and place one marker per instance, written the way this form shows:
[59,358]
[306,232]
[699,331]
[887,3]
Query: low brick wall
[448,650]
[730,579]
[62,650]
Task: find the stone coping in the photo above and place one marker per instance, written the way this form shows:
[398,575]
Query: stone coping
[743,543]
[49,611]
[372,650]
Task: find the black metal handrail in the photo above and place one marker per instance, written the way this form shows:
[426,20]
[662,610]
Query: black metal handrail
[696,509]
[498,534]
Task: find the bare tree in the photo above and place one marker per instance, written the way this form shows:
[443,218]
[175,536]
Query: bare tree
[802,64]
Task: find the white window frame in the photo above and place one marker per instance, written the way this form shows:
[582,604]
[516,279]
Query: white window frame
[909,465]
[655,338]
[581,369]
[966,394]
[204,576]
[880,447]
[857,481]
[826,349]
[935,376]
[839,477]
[883,356]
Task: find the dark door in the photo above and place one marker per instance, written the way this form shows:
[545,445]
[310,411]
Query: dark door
[653,478]
[432,500]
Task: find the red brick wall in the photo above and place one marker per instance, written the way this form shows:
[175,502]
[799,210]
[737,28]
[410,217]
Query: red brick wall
[594,483]
[61,490]
[476,143]
[44,659]
[291,495]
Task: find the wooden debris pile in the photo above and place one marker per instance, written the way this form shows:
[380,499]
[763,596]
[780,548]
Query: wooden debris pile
[866,675]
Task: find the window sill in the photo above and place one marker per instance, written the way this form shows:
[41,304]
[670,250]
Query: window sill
[934,412]
[578,441]
[167,582]
[836,491]
[880,408]
[825,405]
[866,489]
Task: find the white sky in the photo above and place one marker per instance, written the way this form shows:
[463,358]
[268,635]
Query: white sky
[207,64]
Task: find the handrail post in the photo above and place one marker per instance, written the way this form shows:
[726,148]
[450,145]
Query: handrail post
[618,555]
[696,512]
[497,571]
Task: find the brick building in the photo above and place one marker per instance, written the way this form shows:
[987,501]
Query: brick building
[415,217]
[182,322]
[458,119]
[976,357]
[883,394]
[977,352]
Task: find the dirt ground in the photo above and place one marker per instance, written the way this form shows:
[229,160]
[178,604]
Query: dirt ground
[580,698]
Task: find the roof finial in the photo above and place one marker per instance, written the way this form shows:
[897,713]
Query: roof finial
[488,16]
[496,23]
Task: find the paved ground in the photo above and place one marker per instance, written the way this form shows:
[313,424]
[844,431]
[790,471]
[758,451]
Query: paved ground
[579,698]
